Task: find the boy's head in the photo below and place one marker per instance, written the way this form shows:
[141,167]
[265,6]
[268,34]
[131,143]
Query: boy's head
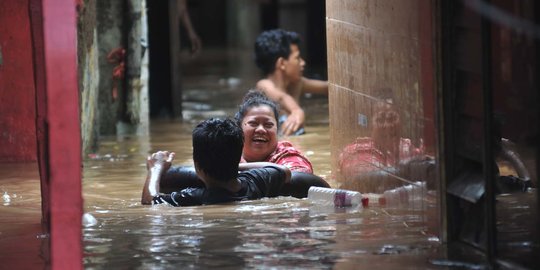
[217,148]
[271,45]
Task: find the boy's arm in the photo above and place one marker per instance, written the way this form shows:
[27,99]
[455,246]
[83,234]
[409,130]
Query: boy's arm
[255,165]
[314,86]
[157,164]
[296,117]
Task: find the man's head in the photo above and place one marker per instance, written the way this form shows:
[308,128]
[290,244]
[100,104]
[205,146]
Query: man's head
[278,49]
[217,148]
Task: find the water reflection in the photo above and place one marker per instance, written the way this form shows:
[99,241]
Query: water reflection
[273,233]
[23,240]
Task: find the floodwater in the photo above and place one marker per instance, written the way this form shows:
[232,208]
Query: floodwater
[22,238]
[276,233]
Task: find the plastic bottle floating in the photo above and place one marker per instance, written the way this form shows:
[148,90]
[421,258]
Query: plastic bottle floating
[335,197]
[405,196]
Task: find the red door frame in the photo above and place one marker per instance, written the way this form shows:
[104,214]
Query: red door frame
[58,127]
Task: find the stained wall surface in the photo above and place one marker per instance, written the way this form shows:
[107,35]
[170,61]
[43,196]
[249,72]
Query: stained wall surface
[380,93]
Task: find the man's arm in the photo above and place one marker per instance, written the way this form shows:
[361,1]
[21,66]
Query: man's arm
[296,117]
[255,165]
[157,164]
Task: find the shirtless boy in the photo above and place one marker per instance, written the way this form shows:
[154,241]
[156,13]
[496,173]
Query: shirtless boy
[277,54]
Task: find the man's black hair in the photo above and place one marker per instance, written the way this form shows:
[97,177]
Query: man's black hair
[271,45]
[255,98]
[217,148]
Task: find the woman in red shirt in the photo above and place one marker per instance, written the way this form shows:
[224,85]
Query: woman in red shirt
[258,117]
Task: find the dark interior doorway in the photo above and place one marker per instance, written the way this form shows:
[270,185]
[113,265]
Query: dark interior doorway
[160,94]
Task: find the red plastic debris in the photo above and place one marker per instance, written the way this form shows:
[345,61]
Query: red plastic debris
[365,202]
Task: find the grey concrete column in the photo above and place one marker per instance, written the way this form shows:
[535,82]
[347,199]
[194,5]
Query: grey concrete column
[243,23]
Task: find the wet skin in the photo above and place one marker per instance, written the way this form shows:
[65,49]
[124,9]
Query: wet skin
[294,65]
[260,133]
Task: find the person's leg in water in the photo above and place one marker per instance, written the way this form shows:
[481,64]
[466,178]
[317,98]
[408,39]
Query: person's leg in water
[178,178]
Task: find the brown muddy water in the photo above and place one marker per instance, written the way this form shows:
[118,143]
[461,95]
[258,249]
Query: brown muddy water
[276,233]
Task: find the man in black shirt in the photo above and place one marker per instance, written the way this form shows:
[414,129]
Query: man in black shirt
[217,148]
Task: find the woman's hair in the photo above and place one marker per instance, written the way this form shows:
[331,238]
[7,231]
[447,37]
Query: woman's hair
[255,98]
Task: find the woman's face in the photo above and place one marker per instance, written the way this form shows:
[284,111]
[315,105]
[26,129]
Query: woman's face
[260,133]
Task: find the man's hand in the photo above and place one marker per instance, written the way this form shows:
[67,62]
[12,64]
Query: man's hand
[161,159]
[295,120]
[157,164]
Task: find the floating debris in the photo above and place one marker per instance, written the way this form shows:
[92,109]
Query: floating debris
[88,220]
[460,264]
[391,249]
[6,198]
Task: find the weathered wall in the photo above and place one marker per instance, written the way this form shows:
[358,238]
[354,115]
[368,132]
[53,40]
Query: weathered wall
[88,74]
[373,63]
[123,97]
[109,33]
[17,92]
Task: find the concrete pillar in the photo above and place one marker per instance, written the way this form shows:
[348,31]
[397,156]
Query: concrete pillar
[373,63]
[243,23]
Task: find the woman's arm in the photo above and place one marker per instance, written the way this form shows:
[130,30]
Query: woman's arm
[255,165]
[300,184]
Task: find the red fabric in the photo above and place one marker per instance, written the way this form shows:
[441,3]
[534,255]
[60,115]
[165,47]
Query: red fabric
[362,156]
[117,56]
[286,155]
